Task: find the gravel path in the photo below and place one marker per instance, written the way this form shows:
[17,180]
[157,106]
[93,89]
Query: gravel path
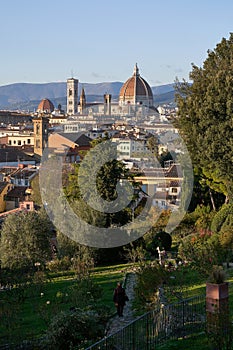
[116,322]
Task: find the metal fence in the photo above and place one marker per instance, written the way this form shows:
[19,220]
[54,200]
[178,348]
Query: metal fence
[172,321]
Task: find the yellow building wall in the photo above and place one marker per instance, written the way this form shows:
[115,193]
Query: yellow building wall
[2,197]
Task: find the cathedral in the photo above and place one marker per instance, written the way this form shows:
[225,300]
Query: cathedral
[136,91]
[135,97]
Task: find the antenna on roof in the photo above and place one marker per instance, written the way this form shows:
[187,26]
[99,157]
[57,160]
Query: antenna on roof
[72,73]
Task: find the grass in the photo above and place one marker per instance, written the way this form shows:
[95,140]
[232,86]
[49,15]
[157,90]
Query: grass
[184,282]
[194,343]
[32,316]
[193,284]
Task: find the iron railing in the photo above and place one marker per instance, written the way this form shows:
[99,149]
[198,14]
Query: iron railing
[167,322]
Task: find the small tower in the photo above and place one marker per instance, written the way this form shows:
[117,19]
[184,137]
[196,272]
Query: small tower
[82,101]
[40,134]
[72,96]
[107,104]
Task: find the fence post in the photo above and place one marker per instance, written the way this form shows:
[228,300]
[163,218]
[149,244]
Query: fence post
[147,333]
[183,313]
[134,337]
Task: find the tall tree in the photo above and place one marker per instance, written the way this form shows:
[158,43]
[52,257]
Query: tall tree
[205,117]
[99,175]
[25,240]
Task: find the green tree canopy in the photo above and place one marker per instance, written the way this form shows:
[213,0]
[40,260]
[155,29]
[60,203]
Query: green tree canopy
[156,239]
[109,174]
[25,240]
[205,117]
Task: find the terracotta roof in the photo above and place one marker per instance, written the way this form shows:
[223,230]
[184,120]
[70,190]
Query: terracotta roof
[45,106]
[135,86]
[78,138]
[9,154]
[174,171]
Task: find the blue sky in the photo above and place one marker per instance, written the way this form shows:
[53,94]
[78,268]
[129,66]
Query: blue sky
[96,41]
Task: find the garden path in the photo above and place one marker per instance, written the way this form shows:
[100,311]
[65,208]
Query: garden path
[116,323]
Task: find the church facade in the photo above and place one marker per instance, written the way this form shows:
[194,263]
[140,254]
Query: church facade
[135,98]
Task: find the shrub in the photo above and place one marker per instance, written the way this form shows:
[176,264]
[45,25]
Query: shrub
[162,239]
[217,275]
[202,251]
[71,329]
[56,265]
[223,215]
[85,292]
[148,281]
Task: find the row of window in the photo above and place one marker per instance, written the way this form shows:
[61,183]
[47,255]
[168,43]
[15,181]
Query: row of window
[19,142]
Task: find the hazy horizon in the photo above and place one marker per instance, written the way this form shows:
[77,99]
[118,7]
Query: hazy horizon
[101,41]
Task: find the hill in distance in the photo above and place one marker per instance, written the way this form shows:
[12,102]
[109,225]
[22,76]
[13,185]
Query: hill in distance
[26,96]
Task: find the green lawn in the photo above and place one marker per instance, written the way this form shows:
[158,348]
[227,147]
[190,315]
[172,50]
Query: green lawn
[195,343]
[30,318]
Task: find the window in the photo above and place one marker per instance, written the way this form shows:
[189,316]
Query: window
[19,142]
[174,190]
[29,141]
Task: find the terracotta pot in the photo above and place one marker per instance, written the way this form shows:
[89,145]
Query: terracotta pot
[216,296]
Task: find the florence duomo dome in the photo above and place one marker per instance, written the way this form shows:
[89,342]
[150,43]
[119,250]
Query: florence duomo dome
[135,99]
[136,91]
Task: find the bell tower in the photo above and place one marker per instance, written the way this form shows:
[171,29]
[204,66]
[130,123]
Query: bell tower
[72,96]
[107,104]
[82,101]
[40,125]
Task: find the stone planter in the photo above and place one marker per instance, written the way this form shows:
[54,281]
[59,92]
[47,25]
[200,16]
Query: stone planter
[217,310]
[216,297]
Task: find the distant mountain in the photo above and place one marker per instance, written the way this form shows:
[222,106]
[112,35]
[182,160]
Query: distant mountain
[168,97]
[101,88]
[162,89]
[26,96]
[23,92]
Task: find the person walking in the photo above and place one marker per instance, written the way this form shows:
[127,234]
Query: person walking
[119,298]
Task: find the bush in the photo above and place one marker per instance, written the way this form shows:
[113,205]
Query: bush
[223,216]
[70,330]
[56,265]
[85,292]
[163,240]
[148,281]
[202,250]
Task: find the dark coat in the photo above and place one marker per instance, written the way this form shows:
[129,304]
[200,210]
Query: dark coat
[119,295]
